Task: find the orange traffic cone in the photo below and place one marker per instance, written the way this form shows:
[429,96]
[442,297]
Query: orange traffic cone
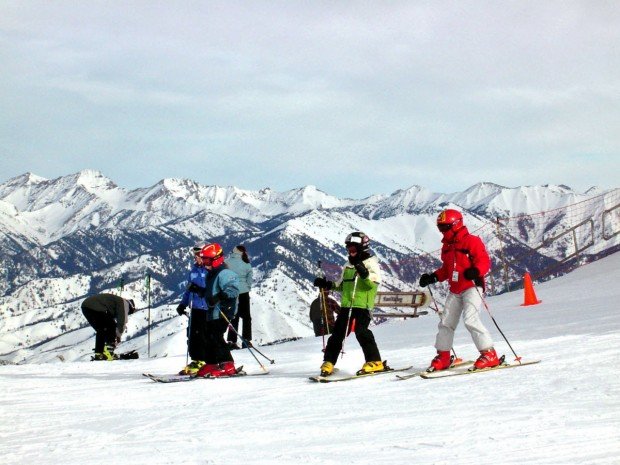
[528,289]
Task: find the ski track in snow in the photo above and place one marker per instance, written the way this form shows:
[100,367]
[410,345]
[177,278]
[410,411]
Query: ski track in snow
[555,412]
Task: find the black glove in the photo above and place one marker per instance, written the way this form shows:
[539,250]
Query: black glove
[181,309]
[323,283]
[471,273]
[355,259]
[196,289]
[214,299]
[361,270]
[427,279]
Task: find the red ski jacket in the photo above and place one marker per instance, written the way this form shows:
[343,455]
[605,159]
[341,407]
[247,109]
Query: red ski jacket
[461,251]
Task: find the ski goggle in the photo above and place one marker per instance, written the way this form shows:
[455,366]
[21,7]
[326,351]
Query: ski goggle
[198,246]
[445,227]
[353,240]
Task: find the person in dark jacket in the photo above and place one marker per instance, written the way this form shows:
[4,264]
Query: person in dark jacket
[220,292]
[322,308]
[107,314]
[465,262]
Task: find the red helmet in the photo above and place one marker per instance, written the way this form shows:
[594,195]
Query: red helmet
[449,219]
[213,255]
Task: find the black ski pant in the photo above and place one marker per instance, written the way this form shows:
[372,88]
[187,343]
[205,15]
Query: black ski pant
[364,336]
[197,334]
[104,326]
[243,311]
[216,349]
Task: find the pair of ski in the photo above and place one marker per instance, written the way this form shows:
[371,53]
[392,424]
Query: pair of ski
[182,378]
[335,379]
[467,368]
[457,368]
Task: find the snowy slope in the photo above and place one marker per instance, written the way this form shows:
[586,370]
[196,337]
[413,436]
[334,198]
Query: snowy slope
[556,412]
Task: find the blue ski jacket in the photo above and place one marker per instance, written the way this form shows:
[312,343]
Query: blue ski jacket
[222,285]
[235,263]
[197,276]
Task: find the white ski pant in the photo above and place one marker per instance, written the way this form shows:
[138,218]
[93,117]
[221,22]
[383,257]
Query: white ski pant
[467,303]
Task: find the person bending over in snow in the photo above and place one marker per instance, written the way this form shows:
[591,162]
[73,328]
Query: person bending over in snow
[358,285]
[323,308]
[465,261]
[107,314]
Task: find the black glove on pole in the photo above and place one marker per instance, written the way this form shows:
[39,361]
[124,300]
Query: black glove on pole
[323,283]
[361,270]
[427,279]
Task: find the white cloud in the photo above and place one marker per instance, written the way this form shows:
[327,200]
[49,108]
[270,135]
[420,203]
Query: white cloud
[354,97]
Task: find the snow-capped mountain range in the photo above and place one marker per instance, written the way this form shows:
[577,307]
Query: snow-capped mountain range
[63,239]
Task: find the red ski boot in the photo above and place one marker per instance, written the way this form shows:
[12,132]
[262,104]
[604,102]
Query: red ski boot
[207,369]
[225,369]
[442,361]
[487,359]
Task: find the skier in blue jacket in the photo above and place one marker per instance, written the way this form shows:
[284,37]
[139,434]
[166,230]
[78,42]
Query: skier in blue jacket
[195,299]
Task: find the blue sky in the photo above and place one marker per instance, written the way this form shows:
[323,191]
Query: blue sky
[356,98]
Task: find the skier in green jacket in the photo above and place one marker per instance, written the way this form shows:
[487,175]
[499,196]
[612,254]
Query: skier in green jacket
[358,286]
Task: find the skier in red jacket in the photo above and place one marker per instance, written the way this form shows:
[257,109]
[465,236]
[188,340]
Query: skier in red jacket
[465,261]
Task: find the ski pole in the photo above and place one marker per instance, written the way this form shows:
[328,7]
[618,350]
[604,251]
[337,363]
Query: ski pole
[259,352]
[148,299]
[323,305]
[189,330]
[484,302]
[247,345]
[430,291]
[189,324]
[189,317]
[347,330]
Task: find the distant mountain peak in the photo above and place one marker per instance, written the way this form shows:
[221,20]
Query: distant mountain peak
[93,180]
[25,179]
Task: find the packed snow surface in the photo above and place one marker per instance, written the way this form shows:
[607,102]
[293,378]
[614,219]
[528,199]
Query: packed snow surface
[564,410]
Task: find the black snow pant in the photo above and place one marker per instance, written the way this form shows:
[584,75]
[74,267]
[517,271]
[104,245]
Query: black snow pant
[216,349]
[104,326]
[197,334]
[243,311]
[364,336]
